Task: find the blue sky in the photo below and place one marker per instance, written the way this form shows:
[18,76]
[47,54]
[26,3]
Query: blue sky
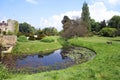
[46,13]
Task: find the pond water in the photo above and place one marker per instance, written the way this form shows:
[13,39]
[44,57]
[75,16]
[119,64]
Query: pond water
[42,60]
[58,59]
[52,61]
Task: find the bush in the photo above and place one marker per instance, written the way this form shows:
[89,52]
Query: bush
[22,39]
[31,37]
[48,39]
[108,32]
[40,36]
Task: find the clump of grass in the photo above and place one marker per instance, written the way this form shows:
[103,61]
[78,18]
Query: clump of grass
[49,39]
[22,39]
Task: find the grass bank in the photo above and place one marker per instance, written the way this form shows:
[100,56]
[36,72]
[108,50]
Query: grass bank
[105,66]
[37,46]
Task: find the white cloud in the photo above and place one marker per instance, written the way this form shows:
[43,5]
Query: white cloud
[32,1]
[55,20]
[98,12]
[114,2]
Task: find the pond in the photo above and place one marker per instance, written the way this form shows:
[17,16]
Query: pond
[56,60]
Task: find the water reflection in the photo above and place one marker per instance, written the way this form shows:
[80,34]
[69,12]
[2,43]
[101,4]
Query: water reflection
[55,60]
[40,60]
[58,59]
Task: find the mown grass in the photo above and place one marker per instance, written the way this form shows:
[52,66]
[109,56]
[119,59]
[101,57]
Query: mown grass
[33,47]
[105,66]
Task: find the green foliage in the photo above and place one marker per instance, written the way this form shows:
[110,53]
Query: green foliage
[114,22]
[16,27]
[63,42]
[3,72]
[48,39]
[85,16]
[102,24]
[22,39]
[19,34]
[95,27]
[40,36]
[26,28]
[32,47]
[108,32]
[32,38]
[50,31]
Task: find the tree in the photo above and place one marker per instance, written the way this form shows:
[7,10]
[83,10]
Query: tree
[95,26]
[108,32]
[85,16]
[114,22]
[26,28]
[72,28]
[16,27]
[102,24]
[50,31]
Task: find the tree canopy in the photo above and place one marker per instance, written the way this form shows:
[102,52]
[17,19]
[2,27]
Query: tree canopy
[85,15]
[50,31]
[26,28]
[114,22]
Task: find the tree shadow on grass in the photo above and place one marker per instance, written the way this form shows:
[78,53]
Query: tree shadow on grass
[116,40]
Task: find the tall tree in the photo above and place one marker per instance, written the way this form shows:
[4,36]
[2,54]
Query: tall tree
[85,16]
[102,24]
[114,22]
[26,28]
[16,27]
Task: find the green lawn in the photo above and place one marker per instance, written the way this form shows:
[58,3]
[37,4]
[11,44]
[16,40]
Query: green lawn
[105,65]
[33,47]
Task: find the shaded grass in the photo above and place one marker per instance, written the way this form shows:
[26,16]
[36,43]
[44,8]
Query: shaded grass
[105,66]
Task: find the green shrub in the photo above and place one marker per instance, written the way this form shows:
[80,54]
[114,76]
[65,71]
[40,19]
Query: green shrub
[48,39]
[108,32]
[31,37]
[22,39]
[40,36]
[3,72]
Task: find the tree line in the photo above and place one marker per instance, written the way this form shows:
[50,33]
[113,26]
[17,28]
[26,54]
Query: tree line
[104,28]
[110,28]
[30,31]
